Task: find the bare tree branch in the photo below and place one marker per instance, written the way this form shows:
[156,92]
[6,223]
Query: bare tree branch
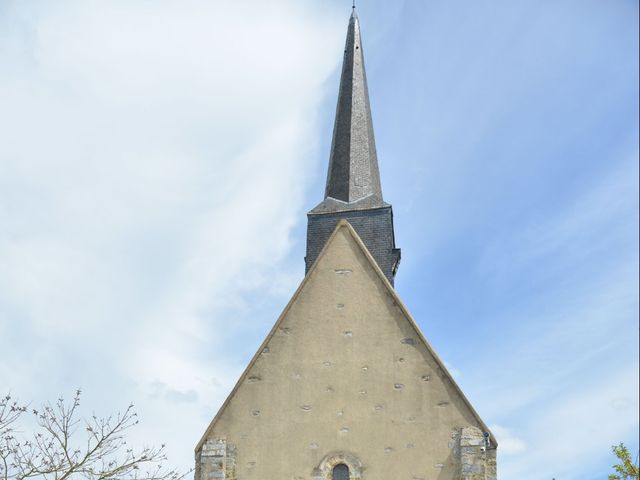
[54,451]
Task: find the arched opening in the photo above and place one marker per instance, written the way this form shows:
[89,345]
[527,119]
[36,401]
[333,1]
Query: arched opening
[338,466]
[340,472]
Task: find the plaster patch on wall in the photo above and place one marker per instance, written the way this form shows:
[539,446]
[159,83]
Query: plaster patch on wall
[343,271]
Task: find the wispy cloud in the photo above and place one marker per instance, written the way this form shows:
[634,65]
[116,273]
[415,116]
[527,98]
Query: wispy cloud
[154,162]
[569,387]
[146,147]
[510,443]
[578,428]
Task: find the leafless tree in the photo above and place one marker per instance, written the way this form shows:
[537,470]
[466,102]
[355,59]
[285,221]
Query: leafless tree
[55,450]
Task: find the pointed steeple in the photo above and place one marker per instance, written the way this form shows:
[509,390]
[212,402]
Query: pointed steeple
[353,164]
[353,191]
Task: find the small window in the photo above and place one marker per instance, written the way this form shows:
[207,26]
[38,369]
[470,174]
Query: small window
[341,472]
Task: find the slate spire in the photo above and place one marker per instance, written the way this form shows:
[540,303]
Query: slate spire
[353,191]
[353,164]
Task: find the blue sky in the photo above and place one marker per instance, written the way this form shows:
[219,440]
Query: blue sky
[158,159]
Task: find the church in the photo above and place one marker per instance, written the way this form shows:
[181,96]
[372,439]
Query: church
[345,385]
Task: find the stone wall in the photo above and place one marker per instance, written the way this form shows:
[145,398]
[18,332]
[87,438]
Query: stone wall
[470,451]
[474,454]
[216,460]
[346,374]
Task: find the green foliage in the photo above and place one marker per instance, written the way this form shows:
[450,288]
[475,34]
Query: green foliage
[626,469]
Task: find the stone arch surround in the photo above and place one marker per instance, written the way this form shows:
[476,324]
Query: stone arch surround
[324,469]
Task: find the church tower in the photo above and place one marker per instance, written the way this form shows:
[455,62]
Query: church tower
[353,190]
[345,386]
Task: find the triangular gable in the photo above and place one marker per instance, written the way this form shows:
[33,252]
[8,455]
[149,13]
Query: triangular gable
[344,226]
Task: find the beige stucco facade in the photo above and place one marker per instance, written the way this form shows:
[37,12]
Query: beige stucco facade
[345,376]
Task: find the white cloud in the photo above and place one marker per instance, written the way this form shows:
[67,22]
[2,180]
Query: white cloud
[576,431]
[568,379]
[146,147]
[509,443]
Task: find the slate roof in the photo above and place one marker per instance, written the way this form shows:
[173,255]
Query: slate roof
[353,163]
